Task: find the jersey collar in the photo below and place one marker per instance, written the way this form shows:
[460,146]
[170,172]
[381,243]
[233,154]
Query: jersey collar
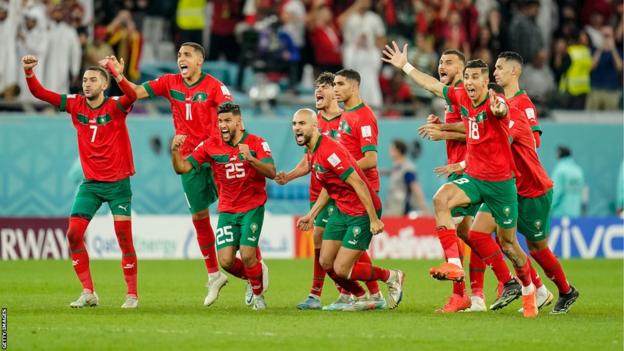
[487,97]
[520,92]
[318,143]
[98,106]
[201,77]
[458,83]
[242,139]
[356,107]
[331,118]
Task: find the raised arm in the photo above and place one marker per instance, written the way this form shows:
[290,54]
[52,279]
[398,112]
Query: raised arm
[394,56]
[114,68]
[29,62]
[180,164]
[302,168]
[139,90]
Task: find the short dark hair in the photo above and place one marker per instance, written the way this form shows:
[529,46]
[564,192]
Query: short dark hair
[511,56]
[497,88]
[195,46]
[457,53]
[100,70]
[325,78]
[563,151]
[478,63]
[349,74]
[229,107]
[400,146]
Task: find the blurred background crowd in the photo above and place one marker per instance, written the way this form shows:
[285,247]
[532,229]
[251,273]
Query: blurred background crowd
[572,48]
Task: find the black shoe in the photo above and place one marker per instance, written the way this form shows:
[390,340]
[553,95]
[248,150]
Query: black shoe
[511,291]
[565,301]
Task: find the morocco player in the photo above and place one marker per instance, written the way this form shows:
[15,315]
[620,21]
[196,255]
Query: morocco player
[358,134]
[240,161]
[356,218]
[328,122]
[489,168]
[194,97]
[450,70]
[534,186]
[106,159]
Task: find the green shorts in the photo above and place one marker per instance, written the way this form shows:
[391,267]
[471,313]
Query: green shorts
[199,188]
[534,216]
[323,216]
[240,229]
[91,194]
[353,231]
[470,210]
[500,197]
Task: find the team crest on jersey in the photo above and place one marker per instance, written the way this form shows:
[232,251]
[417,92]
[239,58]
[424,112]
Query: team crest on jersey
[318,168]
[253,227]
[480,117]
[330,210]
[345,127]
[200,96]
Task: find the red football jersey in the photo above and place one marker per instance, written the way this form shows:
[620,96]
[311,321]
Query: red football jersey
[523,102]
[531,178]
[455,150]
[329,127]
[358,134]
[331,164]
[488,153]
[103,141]
[193,107]
[241,188]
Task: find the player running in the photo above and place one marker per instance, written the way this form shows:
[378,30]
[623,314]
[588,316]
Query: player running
[194,97]
[534,186]
[106,159]
[450,70]
[328,122]
[355,220]
[241,161]
[489,168]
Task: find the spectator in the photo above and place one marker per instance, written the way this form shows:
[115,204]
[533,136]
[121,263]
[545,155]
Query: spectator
[364,35]
[190,21]
[525,35]
[325,40]
[225,16]
[97,49]
[62,63]
[293,18]
[498,35]
[32,39]
[395,91]
[126,41]
[557,59]
[569,183]
[405,195]
[606,75]
[594,30]
[538,80]
[10,16]
[577,65]
[455,35]
[423,57]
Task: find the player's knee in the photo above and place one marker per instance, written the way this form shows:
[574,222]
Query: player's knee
[536,245]
[249,258]
[342,270]
[201,215]
[226,262]
[440,199]
[326,263]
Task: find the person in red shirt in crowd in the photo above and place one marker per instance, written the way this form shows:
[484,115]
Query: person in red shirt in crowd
[325,40]
[226,14]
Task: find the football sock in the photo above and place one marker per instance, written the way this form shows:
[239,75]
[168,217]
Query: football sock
[79,255]
[206,240]
[552,268]
[524,274]
[372,285]
[254,274]
[448,239]
[238,269]
[318,278]
[129,264]
[351,287]
[459,288]
[535,278]
[477,274]
[489,251]
[368,272]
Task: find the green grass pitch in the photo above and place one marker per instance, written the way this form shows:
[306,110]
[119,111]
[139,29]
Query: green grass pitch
[171,315]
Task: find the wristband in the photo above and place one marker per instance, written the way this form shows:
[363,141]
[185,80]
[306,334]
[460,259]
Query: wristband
[29,73]
[112,70]
[408,68]
[462,164]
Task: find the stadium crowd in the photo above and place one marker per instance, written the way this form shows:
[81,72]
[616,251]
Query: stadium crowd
[572,48]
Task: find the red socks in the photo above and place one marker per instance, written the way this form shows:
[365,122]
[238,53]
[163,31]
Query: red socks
[254,274]
[79,255]
[206,240]
[372,285]
[237,269]
[318,279]
[524,273]
[349,286]
[487,248]
[552,268]
[459,288]
[367,272]
[448,240]
[477,274]
[123,230]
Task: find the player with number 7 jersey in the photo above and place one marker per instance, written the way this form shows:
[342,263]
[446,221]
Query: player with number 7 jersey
[240,161]
[106,158]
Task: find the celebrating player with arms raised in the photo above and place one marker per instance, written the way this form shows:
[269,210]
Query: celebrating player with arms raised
[240,161]
[489,168]
[106,159]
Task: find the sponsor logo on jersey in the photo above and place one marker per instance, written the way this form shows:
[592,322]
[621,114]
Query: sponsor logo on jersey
[530,112]
[366,132]
[333,159]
